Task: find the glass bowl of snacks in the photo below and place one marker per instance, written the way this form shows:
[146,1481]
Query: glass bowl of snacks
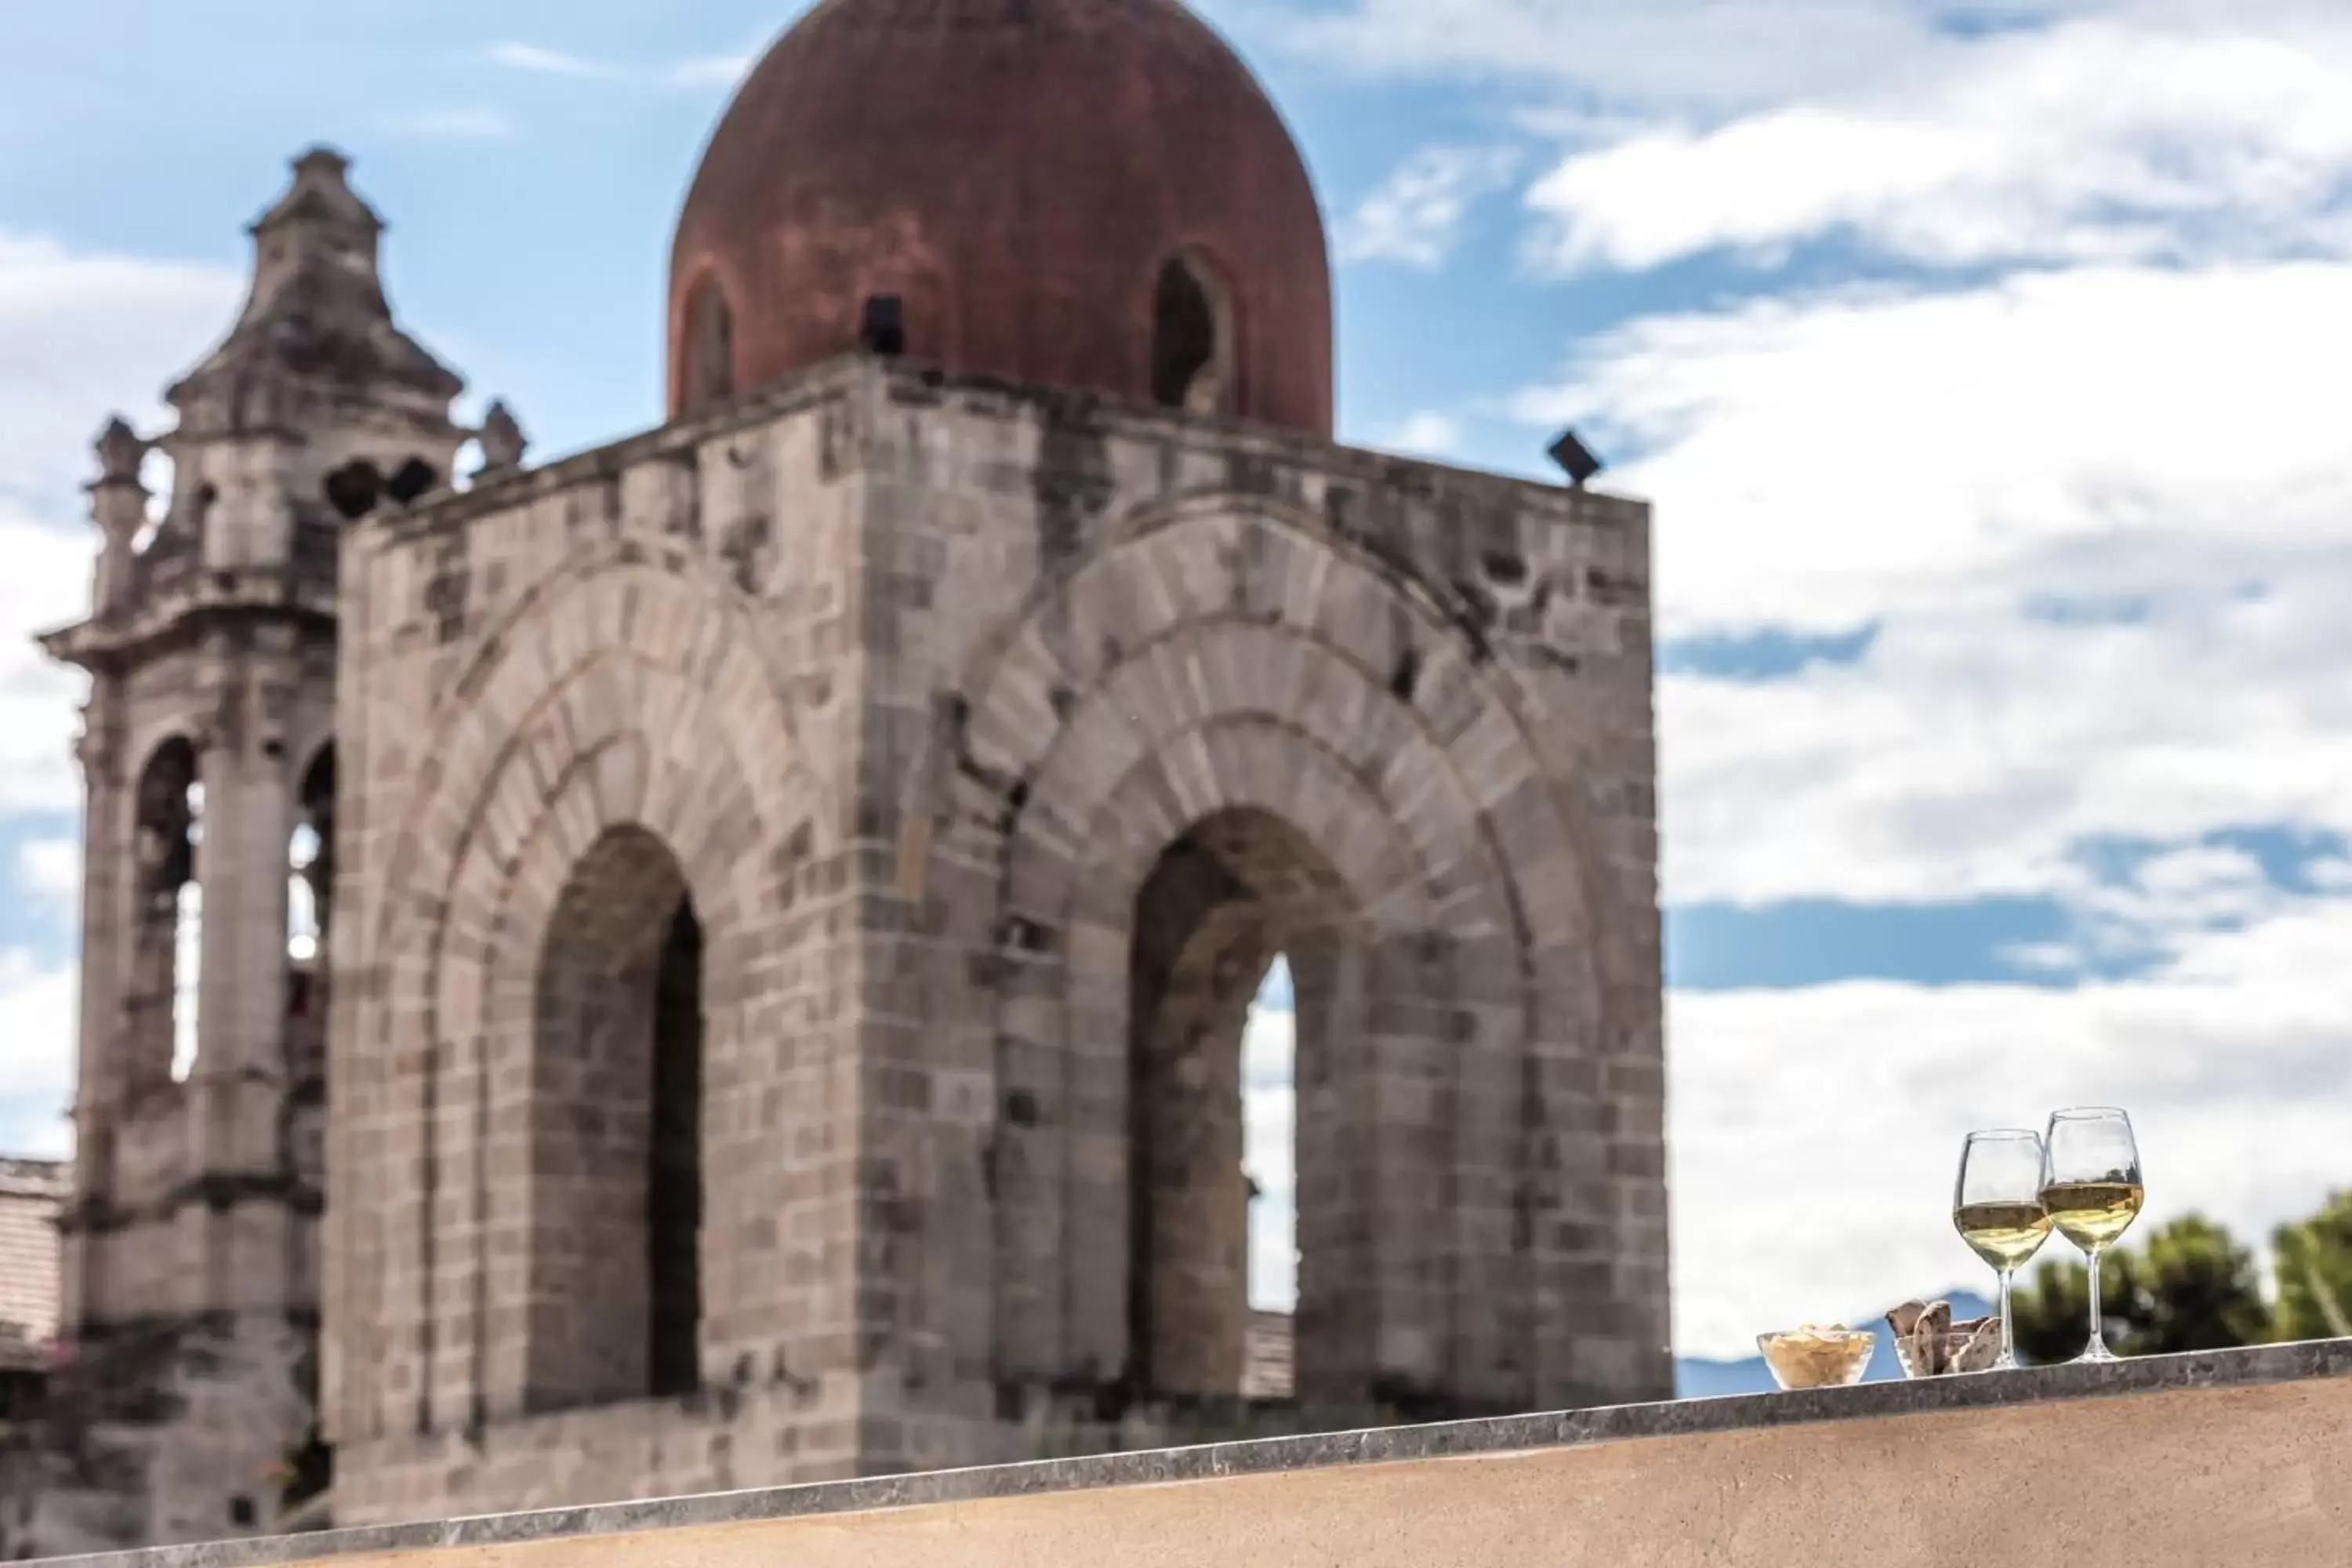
[1941,1355]
[1929,1343]
[1817,1355]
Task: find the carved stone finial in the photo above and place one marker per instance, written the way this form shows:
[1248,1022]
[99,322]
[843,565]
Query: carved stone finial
[322,163]
[503,441]
[120,452]
[320,201]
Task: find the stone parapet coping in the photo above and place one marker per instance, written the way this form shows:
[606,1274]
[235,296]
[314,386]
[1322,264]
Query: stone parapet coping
[911,383]
[1461,1439]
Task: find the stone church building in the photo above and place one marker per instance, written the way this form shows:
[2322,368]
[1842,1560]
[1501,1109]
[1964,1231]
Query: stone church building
[774,899]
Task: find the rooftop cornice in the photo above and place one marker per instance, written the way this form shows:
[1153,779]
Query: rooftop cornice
[903,383]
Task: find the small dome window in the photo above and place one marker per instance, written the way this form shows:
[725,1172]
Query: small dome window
[1191,339]
[709,347]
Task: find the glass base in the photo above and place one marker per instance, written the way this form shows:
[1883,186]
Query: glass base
[2097,1352]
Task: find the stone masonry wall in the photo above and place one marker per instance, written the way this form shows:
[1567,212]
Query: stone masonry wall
[1089,630]
[165,1432]
[653,640]
[920,681]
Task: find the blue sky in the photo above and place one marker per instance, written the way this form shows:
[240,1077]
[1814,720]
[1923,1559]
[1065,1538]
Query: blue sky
[1982,359]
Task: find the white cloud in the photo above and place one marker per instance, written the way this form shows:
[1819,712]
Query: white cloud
[2179,895]
[38,1022]
[1416,215]
[1822,460]
[693,71]
[1269,1058]
[542,61]
[1426,432]
[1816,1131]
[1718,57]
[1273,1253]
[1972,754]
[2044,957]
[2075,130]
[51,867]
[2094,141]
[1959,470]
[81,334]
[1696,52]
[466,123]
[707,70]
[47,585]
[1269,1130]
[1949,467]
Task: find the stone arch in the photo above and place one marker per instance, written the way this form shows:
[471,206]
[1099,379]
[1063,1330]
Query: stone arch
[678,609]
[1251,560]
[1217,652]
[589,636]
[628,698]
[167,829]
[1426,989]
[677,783]
[1239,886]
[521,1351]
[612,1302]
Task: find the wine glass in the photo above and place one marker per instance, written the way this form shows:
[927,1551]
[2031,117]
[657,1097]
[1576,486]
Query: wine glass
[1997,1208]
[2091,1186]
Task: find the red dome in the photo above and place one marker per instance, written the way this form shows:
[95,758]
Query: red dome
[1091,194]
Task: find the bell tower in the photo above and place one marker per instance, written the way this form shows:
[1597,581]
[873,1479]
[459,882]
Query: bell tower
[184,1408]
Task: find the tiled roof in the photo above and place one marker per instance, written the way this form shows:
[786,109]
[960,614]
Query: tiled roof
[30,1193]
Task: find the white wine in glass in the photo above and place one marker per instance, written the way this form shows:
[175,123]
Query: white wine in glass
[2091,1186]
[1997,1208]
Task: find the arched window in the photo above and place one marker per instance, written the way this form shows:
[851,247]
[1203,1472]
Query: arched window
[188,951]
[1270,1163]
[616,1125]
[355,489]
[674,1164]
[1191,339]
[710,369]
[1214,1264]
[309,885]
[310,865]
[411,479]
[167,938]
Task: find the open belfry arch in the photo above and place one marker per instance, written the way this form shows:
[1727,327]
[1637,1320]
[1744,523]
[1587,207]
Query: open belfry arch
[796,879]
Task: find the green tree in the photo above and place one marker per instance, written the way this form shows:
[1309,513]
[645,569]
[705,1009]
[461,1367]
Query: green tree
[2187,1287]
[2315,1273]
[2191,1288]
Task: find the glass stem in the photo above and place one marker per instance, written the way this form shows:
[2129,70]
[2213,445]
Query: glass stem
[2007,1323]
[2098,1344]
